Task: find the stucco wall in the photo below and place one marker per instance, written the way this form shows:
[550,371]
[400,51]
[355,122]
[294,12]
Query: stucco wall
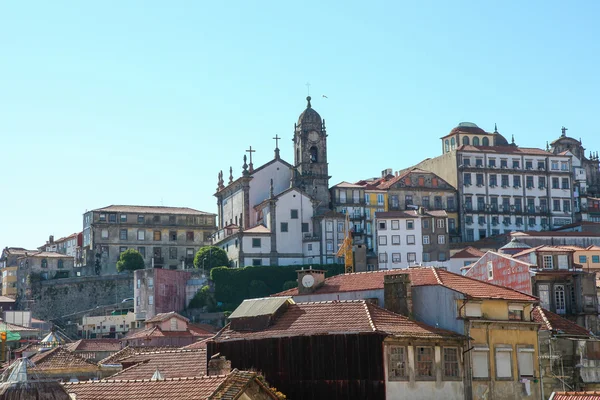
[56,298]
[437,306]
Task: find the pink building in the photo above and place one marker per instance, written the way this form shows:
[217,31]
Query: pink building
[159,291]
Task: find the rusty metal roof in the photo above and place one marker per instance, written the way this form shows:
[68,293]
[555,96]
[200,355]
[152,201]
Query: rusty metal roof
[258,307]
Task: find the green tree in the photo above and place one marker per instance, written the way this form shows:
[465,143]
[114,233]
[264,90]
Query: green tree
[258,289]
[209,257]
[130,260]
[289,285]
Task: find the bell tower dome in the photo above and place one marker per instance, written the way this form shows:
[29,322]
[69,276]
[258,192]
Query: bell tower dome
[310,156]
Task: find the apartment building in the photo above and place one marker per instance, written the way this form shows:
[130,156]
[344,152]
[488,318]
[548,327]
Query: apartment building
[9,265]
[42,265]
[406,238]
[166,237]
[503,187]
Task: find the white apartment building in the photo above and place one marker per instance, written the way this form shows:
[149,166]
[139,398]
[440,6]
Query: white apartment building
[503,187]
[399,239]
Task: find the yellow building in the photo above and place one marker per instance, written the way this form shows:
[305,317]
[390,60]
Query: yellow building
[587,257]
[9,281]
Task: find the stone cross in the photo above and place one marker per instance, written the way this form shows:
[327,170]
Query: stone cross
[250,165]
[276,141]
[564,131]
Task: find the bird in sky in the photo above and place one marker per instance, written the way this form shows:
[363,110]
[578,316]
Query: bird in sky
[325,96]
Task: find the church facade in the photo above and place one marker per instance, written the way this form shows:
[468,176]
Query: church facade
[279,213]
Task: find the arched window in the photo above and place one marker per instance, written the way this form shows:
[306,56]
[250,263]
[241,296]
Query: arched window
[475,141]
[314,154]
[44,263]
[485,141]
[447,145]
[452,143]
[61,264]
[466,140]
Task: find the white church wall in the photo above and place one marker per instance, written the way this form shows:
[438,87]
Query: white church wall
[233,206]
[291,241]
[265,244]
[260,185]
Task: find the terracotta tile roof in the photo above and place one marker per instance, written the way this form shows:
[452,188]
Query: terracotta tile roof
[152,210]
[236,383]
[422,276]
[171,364]
[337,317]
[595,395]
[155,332]
[161,317]
[258,229]
[547,249]
[188,388]
[345,184]
[468,252]
[131,350]
[199,345]
[60,358]
[505,150]
[45,254]
[554,234]
[396,214]
[113,345]
[386,184]
[553,322]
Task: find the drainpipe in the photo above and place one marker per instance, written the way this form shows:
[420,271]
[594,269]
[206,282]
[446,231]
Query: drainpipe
[540,367]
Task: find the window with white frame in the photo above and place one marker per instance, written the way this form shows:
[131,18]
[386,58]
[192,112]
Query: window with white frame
[397,362]
[425,239]
[150,300]
[141,234]
[410,224]
[525,361]
[380,199]
[441,239]
[441,223]
[503,356]
[395,224]
[480,357]
[548,262]
[563,261]
[382,257]
[410,239]
[473,310]
[104,234]
[395,239]
[396,257]
[382,240]
[544,295]
[411,257]
[381,225]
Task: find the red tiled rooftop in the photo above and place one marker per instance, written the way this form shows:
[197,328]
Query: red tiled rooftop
[199,345]
[554,234]
[60,358]
[152,210]
[505,150]
[95,345]
[131,350]
[160,317]
[337,317]
[224,387]
[171,364]
[423,276]
[553,322]
[468,252]
[595,395]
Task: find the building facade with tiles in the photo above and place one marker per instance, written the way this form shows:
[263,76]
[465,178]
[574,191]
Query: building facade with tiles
[503,187]
[167,237]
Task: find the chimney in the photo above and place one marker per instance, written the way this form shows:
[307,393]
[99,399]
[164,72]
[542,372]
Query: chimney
[51,240]
[397,294]
[310,280]
[218,365]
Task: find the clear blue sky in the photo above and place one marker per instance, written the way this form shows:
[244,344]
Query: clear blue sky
[143,102]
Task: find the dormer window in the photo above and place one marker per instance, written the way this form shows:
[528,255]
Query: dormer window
[173,324]
[515,313]
[548,264]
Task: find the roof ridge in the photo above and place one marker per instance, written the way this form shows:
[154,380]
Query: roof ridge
[544,317]
[437,276]
[185,378]
[369,317]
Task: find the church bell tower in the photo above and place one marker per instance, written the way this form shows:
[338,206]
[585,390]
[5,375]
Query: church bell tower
[310,156]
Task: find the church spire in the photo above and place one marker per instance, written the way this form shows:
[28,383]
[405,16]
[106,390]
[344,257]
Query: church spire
[495,128]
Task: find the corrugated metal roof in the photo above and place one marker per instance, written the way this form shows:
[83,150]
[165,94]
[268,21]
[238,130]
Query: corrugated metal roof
[257,307]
